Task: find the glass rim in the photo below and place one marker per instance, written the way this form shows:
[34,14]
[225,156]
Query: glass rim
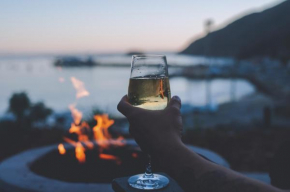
[148,56]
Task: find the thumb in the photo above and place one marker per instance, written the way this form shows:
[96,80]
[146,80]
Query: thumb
[175,102]
[124,107]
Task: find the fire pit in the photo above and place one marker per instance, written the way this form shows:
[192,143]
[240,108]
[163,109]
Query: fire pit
[89,160]
[44,169]
[118,162]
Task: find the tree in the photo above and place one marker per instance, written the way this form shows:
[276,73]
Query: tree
[19,103]
[39,112]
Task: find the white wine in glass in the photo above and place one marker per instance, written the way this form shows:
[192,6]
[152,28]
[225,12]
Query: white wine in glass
[149,89]
[149,93]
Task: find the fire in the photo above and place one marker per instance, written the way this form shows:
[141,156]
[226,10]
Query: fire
[87,136]
[80,153]
[101,136]
[101,133]
[80,88]
[161,91]
[76,114]
[61,149]
[107,156]
[135,155]
[72,142]
[110,157]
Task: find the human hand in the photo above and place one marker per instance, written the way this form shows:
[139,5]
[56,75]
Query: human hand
[155,131]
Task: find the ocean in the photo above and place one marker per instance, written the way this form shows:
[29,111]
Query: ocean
[42,81]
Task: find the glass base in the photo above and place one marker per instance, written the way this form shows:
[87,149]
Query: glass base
[148,181]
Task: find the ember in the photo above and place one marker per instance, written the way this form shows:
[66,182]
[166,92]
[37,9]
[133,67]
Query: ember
[135,155]
[61,149]
[101,135]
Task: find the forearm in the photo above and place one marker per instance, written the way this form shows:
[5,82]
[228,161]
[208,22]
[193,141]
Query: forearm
[194,173]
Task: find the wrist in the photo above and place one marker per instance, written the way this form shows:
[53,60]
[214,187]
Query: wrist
[167,149]
[166,144]
[177,157]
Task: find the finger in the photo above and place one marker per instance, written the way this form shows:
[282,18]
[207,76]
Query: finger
[127,109]
[175,102]
[124,106]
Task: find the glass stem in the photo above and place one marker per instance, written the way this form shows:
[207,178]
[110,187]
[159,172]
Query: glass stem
[148,173]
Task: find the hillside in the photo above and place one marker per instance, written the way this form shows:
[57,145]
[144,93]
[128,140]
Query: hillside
[266,33]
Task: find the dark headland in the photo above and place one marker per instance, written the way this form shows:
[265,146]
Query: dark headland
[261,34]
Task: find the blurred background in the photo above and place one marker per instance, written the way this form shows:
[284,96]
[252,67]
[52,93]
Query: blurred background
[229,61]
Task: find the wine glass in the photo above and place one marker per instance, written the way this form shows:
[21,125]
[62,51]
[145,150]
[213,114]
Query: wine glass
[149,89]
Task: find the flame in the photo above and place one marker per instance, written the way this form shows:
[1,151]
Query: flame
[80,88]
[110,157]
[79,149]
[76,114]
[99,133]
[70,141]
[89,144]
[61,149]
[107,156]
[161,91]
[80,153]
[101,136]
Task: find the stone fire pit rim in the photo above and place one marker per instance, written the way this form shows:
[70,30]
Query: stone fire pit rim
[15,173]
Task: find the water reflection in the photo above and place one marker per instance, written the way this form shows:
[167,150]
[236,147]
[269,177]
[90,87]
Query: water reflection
[194,92]
[41,80]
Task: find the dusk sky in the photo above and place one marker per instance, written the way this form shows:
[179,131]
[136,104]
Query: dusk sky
[94,26]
